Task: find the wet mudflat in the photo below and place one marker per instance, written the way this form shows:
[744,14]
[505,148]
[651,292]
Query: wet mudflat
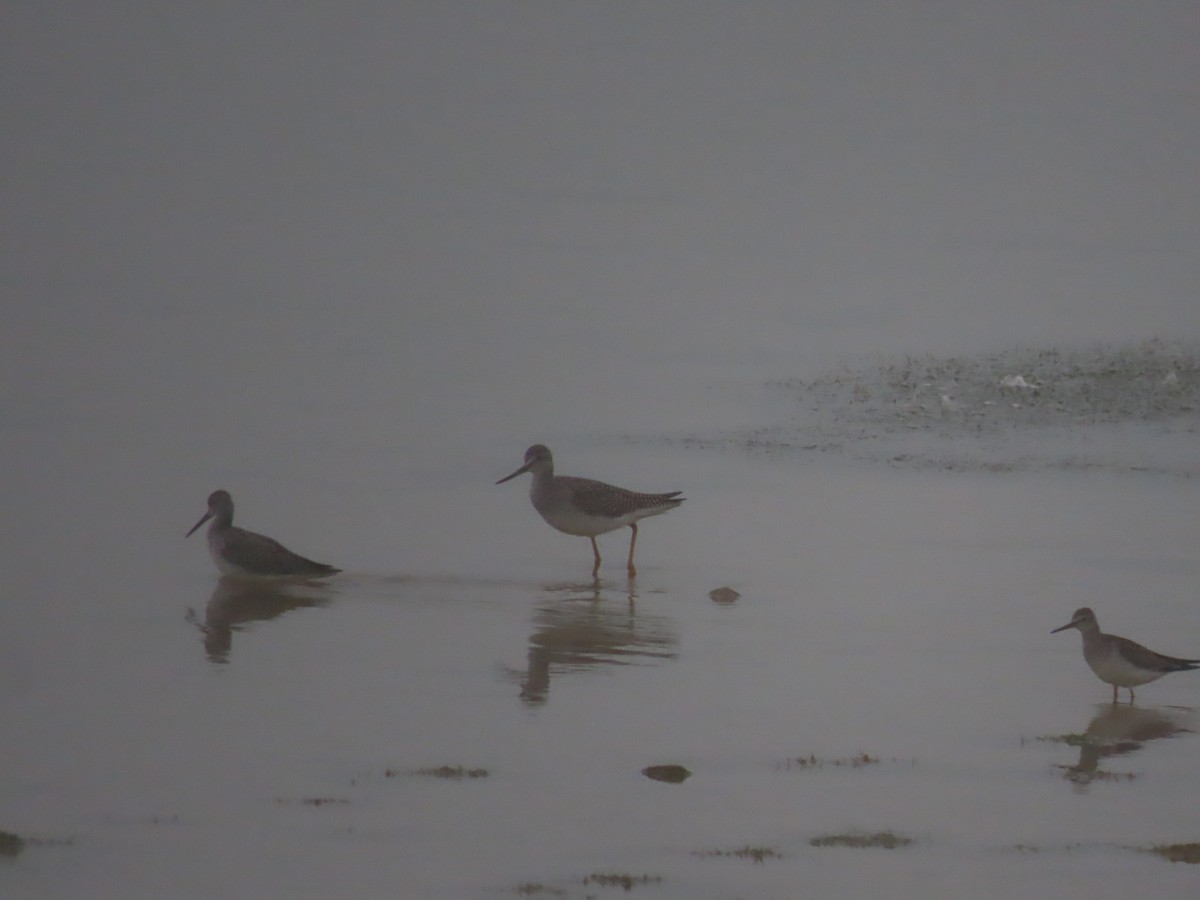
[1119,407]
[849,658]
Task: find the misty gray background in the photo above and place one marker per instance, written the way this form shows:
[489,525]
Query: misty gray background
[209,209]
[348,261]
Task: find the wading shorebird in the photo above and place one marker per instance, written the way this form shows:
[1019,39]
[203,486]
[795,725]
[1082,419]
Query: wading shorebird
[1119,661]
[239,552]
[586,508]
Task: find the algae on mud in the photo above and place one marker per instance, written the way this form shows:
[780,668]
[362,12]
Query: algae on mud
[11,844]
[1184,853]
[757,854]
[626,882]
[452,773]
[812,761]
[885,839]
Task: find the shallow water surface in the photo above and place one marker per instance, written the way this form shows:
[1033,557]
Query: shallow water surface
[900,616]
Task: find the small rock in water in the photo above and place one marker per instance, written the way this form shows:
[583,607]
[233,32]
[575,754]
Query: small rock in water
[723,595]
[672,774]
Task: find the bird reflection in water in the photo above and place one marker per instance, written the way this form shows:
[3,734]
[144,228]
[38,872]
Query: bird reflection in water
[578,630]
[1119,731]
[237,602]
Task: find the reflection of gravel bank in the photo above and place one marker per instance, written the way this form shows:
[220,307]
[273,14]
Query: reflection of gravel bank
[1120,408]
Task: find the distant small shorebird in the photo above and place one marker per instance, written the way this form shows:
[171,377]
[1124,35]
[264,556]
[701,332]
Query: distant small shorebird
[243,553]
[586,508]
[1119,661]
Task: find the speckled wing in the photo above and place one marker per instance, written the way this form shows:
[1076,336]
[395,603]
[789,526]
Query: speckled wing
[595,498]
[1145,658]
[262,555]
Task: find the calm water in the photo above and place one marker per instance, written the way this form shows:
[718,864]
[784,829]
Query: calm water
[352,293]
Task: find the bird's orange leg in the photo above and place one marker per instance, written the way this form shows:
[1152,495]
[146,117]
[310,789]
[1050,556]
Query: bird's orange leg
[632,543]
[596,553]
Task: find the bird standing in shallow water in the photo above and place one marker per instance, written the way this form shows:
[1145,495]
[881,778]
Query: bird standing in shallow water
[1119,661]
[584,507]
[239,552]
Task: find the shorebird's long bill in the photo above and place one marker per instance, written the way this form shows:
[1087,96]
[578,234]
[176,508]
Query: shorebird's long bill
[520,471]
[203,519]
[1070,624]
